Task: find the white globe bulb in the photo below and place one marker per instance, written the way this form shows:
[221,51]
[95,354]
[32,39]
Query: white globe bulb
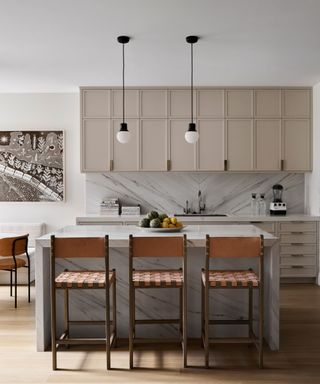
[123,137]
[191,137]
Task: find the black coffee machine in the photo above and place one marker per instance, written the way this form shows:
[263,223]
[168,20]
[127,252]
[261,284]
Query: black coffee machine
[278,207]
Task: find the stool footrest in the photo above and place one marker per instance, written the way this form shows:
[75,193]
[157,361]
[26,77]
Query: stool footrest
[88,322]
[146,340]
[232,340]
[158,321]
[229,322]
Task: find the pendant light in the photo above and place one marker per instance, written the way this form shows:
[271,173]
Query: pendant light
[123,136]
[192,135]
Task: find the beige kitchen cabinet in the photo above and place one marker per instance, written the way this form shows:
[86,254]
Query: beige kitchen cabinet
[153,145]
[268,145]
[239,103]
[131,103]
[182,155]
[210,149]
[296,103]
[180,103]
[296,145]
[95,103]
[210,103]
[267,103]
[239,145]
[125,157]
[95,145]
[154,103]
[252,129]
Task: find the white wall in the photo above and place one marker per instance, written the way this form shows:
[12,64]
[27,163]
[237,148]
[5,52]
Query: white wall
[312,180]
[47,111]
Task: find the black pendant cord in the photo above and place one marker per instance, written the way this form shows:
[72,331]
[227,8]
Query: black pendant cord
[191,83]
[123,89]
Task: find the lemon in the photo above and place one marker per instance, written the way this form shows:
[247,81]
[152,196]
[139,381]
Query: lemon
[173,220]
[166,220]
[178,224]
[172,226]
[165,224]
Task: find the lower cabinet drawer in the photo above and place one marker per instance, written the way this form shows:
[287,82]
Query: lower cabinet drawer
[301,271]
[289,238]
[308,226]
[289,260]
[298,249]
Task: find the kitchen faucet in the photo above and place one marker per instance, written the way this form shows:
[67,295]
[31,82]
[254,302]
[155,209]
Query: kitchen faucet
[201,204]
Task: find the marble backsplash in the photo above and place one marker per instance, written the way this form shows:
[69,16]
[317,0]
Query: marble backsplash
[168,192]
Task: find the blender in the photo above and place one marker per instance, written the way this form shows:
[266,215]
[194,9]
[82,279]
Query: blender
[278,207]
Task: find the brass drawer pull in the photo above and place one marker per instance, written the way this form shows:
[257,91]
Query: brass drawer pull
[297,255]
[225,165]
[168,165]
[297,244]
[297,266]
[111,165]
[297,233]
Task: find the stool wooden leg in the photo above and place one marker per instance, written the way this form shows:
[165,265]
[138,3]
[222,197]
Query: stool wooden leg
[202,314]
[181,314]
[114,317]
[250,314]
[15,288]
[53,329]
[29,283]
[131,324]
[66,314]
[184,324]
[107,323]
[261,326]
[206,325]
[10,282]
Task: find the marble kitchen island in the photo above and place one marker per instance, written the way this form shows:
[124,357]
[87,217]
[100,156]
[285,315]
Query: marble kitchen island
[88,304]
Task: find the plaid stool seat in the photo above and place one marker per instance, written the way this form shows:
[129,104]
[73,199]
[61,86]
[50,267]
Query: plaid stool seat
[155,279]
[224,278]
[83,279]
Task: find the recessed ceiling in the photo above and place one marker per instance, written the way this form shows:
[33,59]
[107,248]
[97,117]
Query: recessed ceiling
[58,45]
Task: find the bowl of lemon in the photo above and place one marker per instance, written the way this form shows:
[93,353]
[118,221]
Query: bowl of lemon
[160,222]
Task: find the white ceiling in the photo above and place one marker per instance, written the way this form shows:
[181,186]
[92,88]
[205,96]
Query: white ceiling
[58,45]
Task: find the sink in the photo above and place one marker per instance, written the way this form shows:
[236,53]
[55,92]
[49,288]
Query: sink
[200,215]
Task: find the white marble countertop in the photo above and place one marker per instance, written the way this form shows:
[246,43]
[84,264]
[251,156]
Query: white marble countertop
[119,235]
[96,218]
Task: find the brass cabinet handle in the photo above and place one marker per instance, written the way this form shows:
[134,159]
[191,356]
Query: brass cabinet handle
[297,244]
[111,165]
[226,165]
[297,233]
[282,165]
[168,165]
[297,266]
[297,255]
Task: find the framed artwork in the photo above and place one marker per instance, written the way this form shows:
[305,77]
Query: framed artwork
[31,165]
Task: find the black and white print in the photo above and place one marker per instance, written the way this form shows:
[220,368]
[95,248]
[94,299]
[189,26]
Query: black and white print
[31,166]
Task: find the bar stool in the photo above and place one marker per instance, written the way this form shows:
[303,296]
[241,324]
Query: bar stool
[140,247]
[233,247]
[83,248]
[10,248]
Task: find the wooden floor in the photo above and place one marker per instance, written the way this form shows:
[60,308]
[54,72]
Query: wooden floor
[298,362]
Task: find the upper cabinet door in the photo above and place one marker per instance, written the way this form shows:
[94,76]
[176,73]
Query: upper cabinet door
[240,145]
[239,103]
[154,103]
[96,103]
[210,103]
[211,145]
[267,103]
[131,103]
[153,139]
[296,103]
[268,147]
[180,103]
[95,153]
[296,145]
[182,154]
[125,156]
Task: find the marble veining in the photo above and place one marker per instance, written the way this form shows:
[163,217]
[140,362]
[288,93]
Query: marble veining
[168,192]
